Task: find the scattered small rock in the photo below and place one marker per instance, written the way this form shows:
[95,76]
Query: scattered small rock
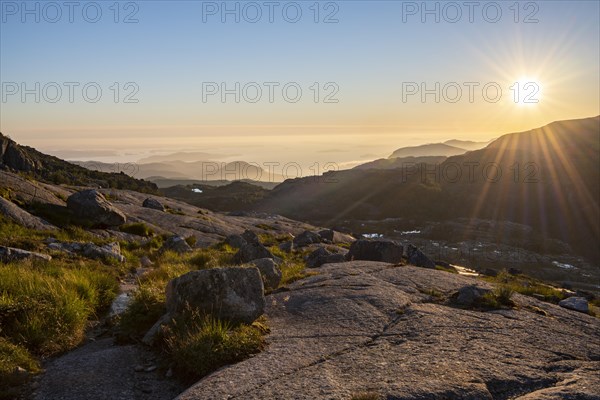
[575,303]
[270,272]
[153,204]
[469,296]
[250,252]
[417,258]
[10,254]
[306,238]
[177,244]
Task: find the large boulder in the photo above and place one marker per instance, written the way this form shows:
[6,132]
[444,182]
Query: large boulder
[417,258]
[270,272]
[306,238]
[153,204]
[177,244]
[375,250]
[233,294]
[323,256]
[250,252]
[10,254]
[92,207]
[575,303]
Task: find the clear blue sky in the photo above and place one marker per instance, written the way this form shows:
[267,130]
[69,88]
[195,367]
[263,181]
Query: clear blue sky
[369,53]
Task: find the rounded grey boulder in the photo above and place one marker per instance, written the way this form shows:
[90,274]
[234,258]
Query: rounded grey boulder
[153,204]
[575,303]
[177,244]
[233,294]
[92,207]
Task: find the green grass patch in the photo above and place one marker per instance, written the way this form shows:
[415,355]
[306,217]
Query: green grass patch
[138,228]
[446,269]
[497,299]
[199,344]
[45,306]
[527,286]
[12,358]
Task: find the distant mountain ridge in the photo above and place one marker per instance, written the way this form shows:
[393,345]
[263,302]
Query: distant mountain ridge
[428,150]
[198,170]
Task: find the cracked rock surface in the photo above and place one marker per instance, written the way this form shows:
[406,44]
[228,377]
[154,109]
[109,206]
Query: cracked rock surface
[373,327]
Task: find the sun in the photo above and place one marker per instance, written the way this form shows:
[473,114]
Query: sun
[526,91]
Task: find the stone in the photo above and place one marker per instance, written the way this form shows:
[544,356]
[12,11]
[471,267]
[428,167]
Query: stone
[287,247]
[177,244]
[146,262]
[11,254]
[92,207]
[250,237]
[323,256]
[106,252]
[375,250]
[153,204]
[250,252]
[575,303]
[234,294]
[335,237]
[270,272]
[417,258]
[306,238]
[235,241]
[469,296]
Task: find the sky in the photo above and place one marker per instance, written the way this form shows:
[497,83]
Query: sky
[307,82]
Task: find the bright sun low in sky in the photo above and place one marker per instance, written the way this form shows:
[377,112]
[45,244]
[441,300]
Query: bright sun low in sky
[344,81]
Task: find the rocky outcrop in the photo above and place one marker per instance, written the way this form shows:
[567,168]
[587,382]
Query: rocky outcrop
[233,294]
[575,303]
[269,271]
[371,327]
[92,207]
[375,250]
[235,241]
[14,157]
[416,257]
[22,217]
[10,254]
[153,204]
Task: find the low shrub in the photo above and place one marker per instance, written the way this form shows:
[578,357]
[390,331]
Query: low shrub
[138,228]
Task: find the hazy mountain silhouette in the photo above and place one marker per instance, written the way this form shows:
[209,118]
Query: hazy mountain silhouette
[428,150]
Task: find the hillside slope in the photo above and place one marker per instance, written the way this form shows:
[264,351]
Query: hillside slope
[49,169]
